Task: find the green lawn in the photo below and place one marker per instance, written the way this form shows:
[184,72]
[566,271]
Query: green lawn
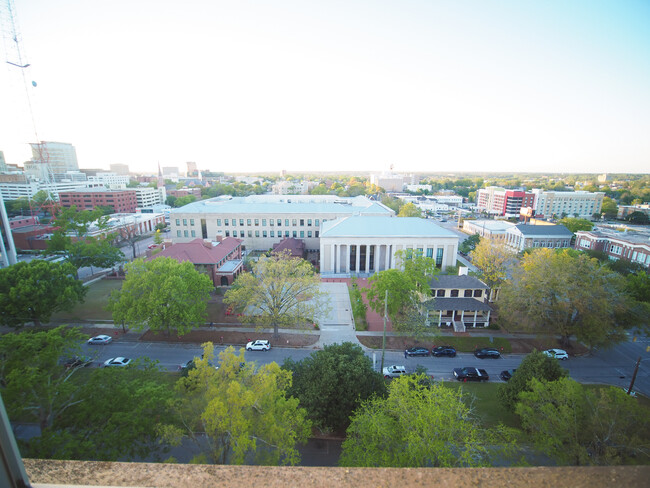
[93,307]
[486,405]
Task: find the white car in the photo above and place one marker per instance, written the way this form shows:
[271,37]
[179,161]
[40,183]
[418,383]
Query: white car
[394,371]
[120,362]
[100,339]
[557,354]
[258,345]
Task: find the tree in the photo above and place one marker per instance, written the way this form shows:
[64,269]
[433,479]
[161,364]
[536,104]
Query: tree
[491,258]
[242,408]
[577,426]
[162,295]
[33,291]
[574,224]
[171,201]
[20,205]
[535,365]
[469,244]
[280,291]
[638,218]
[409,210]
[609,208]
[421,424]
[568,294]
[117,415]
[333,382]
[34,384]
[157,237]
[182,201]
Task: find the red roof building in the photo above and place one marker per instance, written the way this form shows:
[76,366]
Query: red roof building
[222,261]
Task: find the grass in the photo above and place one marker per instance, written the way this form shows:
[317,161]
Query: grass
[93,306]
[486,404]
[360,322]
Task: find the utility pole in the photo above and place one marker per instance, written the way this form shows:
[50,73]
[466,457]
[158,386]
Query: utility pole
[383,341]
[636,370]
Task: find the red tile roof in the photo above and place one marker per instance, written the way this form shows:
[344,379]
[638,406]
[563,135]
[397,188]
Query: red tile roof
[199,251]
[295,247]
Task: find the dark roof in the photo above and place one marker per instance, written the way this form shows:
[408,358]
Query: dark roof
[199,251]
[457,281]
[543,230]
[468,304]
[295,247]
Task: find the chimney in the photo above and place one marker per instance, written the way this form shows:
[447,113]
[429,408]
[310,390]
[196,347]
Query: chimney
[219,238]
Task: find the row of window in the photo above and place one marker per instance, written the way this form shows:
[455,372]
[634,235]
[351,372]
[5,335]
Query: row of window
[256,222]
[466,293]
[272,233]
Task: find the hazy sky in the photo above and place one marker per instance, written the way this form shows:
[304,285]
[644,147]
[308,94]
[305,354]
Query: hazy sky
[305,85]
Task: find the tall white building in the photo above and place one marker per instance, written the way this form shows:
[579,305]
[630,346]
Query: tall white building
[13,190]
[59,156]
[111,180]
[148,197]
[582,204]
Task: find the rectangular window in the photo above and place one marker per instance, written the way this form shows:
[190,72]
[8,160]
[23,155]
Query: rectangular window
[468,294]
[257,222]
[308,222]
[248,222]
[184,221]
[309,233]
[193,233]
[295,234]
[192,222]
[318,222]
[440,293]
[184,233]
[302,222]
[615,249]
[257,233]
[279,222]
[430,252]
[302,234]
[178,221]
[250,233]
[454,293]
[286,222]
[227,233]
[178,233]
[272,233]
[263,222]
[294,222]
[219,222]
[241,222]
[264,233]
[225,222]
[478,293]
[439,257]
[316,233]
[272,222]
[286,233]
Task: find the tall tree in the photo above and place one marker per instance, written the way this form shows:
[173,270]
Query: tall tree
[33,291]
[568,294]
[469,244]
[609,208]
[576,426]
[162,295]
[492,259]
[575,224]
[242,408]
[421,424]
[34,384]
[281,291]
[409,210]
[333,382]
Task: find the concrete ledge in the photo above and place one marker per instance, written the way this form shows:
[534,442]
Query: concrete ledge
[90,473]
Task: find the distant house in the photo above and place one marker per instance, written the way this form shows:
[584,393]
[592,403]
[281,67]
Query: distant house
[527,236]
[458,301]
[295,247]
[221,260]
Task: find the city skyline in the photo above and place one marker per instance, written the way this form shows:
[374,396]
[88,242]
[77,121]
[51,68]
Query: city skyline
[554,87]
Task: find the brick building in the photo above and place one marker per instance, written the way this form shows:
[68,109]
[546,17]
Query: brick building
[122,201]
[630,246]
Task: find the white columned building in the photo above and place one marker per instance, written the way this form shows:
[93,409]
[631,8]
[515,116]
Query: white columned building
[364,245]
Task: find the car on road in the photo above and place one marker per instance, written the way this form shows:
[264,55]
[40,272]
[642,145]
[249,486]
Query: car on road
[443,351]
[487,352]
[151,246]
[258,345]
[100,339]
[189,365]
[471,374]
[77,361]
[394,371]
[557,354]
[117,362]
[417,351]
[506,374]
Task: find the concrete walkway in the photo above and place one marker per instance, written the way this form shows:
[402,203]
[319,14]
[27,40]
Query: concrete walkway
[335,320]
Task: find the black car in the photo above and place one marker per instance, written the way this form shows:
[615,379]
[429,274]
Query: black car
[487,352]
[506,374]
[443,351]
[77,361]
[471,374]
[417,351]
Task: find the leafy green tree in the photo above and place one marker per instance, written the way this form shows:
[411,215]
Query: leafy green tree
[409,210]
[182,201]
[242,408]
[34,384]
[19,206]
[171,201]
[421,424]
[574,224]
[162,295]
[319,190]
[577,426]
[99,253]
[609,208]
[638,218]
[333,382]
[281,291]
[638,285]
[469,244]
[535,365]
[33,291]
[157,237]
[393,203]
[492,258]
[118,415]
[568,294]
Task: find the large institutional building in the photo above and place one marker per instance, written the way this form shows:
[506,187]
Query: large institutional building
[261,221]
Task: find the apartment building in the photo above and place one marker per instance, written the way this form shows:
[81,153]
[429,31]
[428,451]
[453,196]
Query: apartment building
[581,204]
[630,246]
[499,201]
[122,201]
[147,197]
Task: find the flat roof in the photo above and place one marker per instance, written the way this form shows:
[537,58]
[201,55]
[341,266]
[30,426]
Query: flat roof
[273,204]
[369,226]
[492,225]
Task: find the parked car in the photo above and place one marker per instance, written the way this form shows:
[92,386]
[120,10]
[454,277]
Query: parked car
[471,374]
[443,351]
[557,354]
[506,374]
[487,352]
[417,351]
[100,339]
[188,365]
[258,345]
[117,362]
[394,371]
[77,361]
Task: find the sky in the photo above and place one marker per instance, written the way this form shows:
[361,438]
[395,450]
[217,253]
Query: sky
[333,85]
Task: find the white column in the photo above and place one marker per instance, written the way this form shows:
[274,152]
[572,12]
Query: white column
[368,258]
[387,256]
[333,258]
[357,258]
[347,261]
